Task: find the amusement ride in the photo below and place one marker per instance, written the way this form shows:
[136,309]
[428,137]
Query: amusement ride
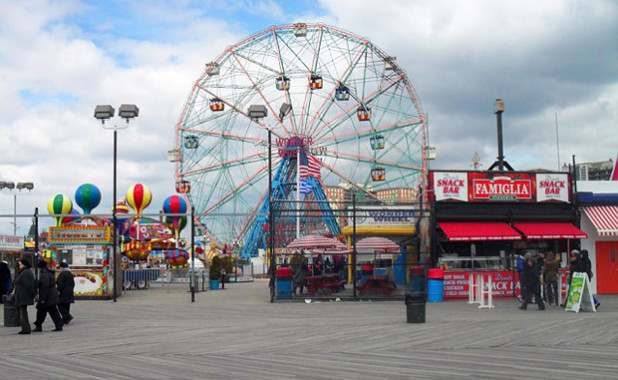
[338,110]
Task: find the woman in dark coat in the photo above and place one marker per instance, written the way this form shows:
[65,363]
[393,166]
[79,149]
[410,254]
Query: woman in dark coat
[66,285]
[5,279]
[48,299]
[532,282]
[25,291]
[550,275]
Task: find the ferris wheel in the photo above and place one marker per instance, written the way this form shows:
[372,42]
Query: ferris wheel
[326,95]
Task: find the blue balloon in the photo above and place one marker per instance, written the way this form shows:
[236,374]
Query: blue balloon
[88,197]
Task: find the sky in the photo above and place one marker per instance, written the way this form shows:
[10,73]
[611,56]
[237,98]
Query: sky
[554,63]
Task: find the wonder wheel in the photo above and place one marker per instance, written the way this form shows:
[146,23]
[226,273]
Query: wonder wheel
[333,102]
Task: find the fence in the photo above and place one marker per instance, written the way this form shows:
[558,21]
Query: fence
[381,244]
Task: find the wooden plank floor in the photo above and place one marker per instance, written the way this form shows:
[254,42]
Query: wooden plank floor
[238,334]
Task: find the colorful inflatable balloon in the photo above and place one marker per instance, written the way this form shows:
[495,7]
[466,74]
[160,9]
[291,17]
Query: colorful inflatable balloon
[175,205]
[87,196]
[139,197]
[74,216]
[176,257]
[181,223]
[59,204]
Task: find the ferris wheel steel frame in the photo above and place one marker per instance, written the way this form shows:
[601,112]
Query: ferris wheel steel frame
[251,67]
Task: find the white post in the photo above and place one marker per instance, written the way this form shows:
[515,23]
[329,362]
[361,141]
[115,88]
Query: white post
[481,290]
[471,289]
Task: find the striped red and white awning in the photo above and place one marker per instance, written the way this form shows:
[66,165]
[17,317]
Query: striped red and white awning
[604,219]
[377,244]
[314,242]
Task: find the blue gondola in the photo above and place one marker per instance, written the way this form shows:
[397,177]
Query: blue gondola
[342,93]
[282,83]
[377,142]
[191,142]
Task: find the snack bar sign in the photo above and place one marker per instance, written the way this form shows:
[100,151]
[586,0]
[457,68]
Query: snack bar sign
[500,187]
[552,186]
[451,186]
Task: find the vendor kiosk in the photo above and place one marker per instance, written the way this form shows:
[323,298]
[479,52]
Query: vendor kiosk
[483,220]
[87,250]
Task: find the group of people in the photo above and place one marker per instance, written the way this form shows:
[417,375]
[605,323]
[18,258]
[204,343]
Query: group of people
[536,272]
[53,296]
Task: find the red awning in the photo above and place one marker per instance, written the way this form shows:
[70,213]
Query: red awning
[604,218]
[536,231]
[479,231]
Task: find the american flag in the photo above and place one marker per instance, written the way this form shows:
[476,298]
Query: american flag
[305,186]
[309,166]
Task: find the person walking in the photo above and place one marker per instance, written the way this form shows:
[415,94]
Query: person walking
[300,277]
[25,291]
[48,299]
[66,286]
[521,264]
[588,266]
[5,279]
[550,276]
[532,283]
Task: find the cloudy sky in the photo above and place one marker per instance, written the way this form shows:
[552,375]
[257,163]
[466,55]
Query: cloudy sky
[58,59]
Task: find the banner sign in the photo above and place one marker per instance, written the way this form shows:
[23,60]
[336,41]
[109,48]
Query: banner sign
[11,243]
[380,216]
[456,283]
[79,234]
[500,186]
[89,282]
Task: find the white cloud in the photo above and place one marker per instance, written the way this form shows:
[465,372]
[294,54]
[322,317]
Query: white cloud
[61,58]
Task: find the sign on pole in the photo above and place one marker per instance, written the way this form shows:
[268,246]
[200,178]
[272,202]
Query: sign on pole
[580,294]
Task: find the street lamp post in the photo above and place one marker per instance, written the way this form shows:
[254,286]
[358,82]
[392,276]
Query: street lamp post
[257,112]
[498,109]
[106,112]
[20,186]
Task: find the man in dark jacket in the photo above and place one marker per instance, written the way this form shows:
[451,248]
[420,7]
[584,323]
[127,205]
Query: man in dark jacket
[48,299]
[532,282]
[25,291]
[65,284]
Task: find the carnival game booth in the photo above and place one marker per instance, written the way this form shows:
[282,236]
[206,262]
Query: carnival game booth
[87,249]
[11,248]
[389,236]
[484,220]
[598,201]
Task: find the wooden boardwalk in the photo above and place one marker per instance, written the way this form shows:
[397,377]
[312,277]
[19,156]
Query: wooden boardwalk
[237,334]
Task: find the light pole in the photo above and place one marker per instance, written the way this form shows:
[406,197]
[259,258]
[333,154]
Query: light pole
[257,112]
[498,109]
[20,186]
[106,112]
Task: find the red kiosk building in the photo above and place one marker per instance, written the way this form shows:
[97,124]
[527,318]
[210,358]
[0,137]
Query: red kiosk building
[483,220]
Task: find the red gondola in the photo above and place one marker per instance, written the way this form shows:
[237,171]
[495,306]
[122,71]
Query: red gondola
[216,105]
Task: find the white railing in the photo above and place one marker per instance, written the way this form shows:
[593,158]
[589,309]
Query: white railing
[480,288]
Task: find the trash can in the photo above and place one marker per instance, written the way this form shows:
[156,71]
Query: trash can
[10,311]
[416,296]
[284,282]
[435,285]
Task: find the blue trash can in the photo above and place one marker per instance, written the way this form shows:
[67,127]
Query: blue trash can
[435,285]
[284,282]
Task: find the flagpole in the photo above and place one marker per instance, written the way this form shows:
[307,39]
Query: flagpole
[297,192]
